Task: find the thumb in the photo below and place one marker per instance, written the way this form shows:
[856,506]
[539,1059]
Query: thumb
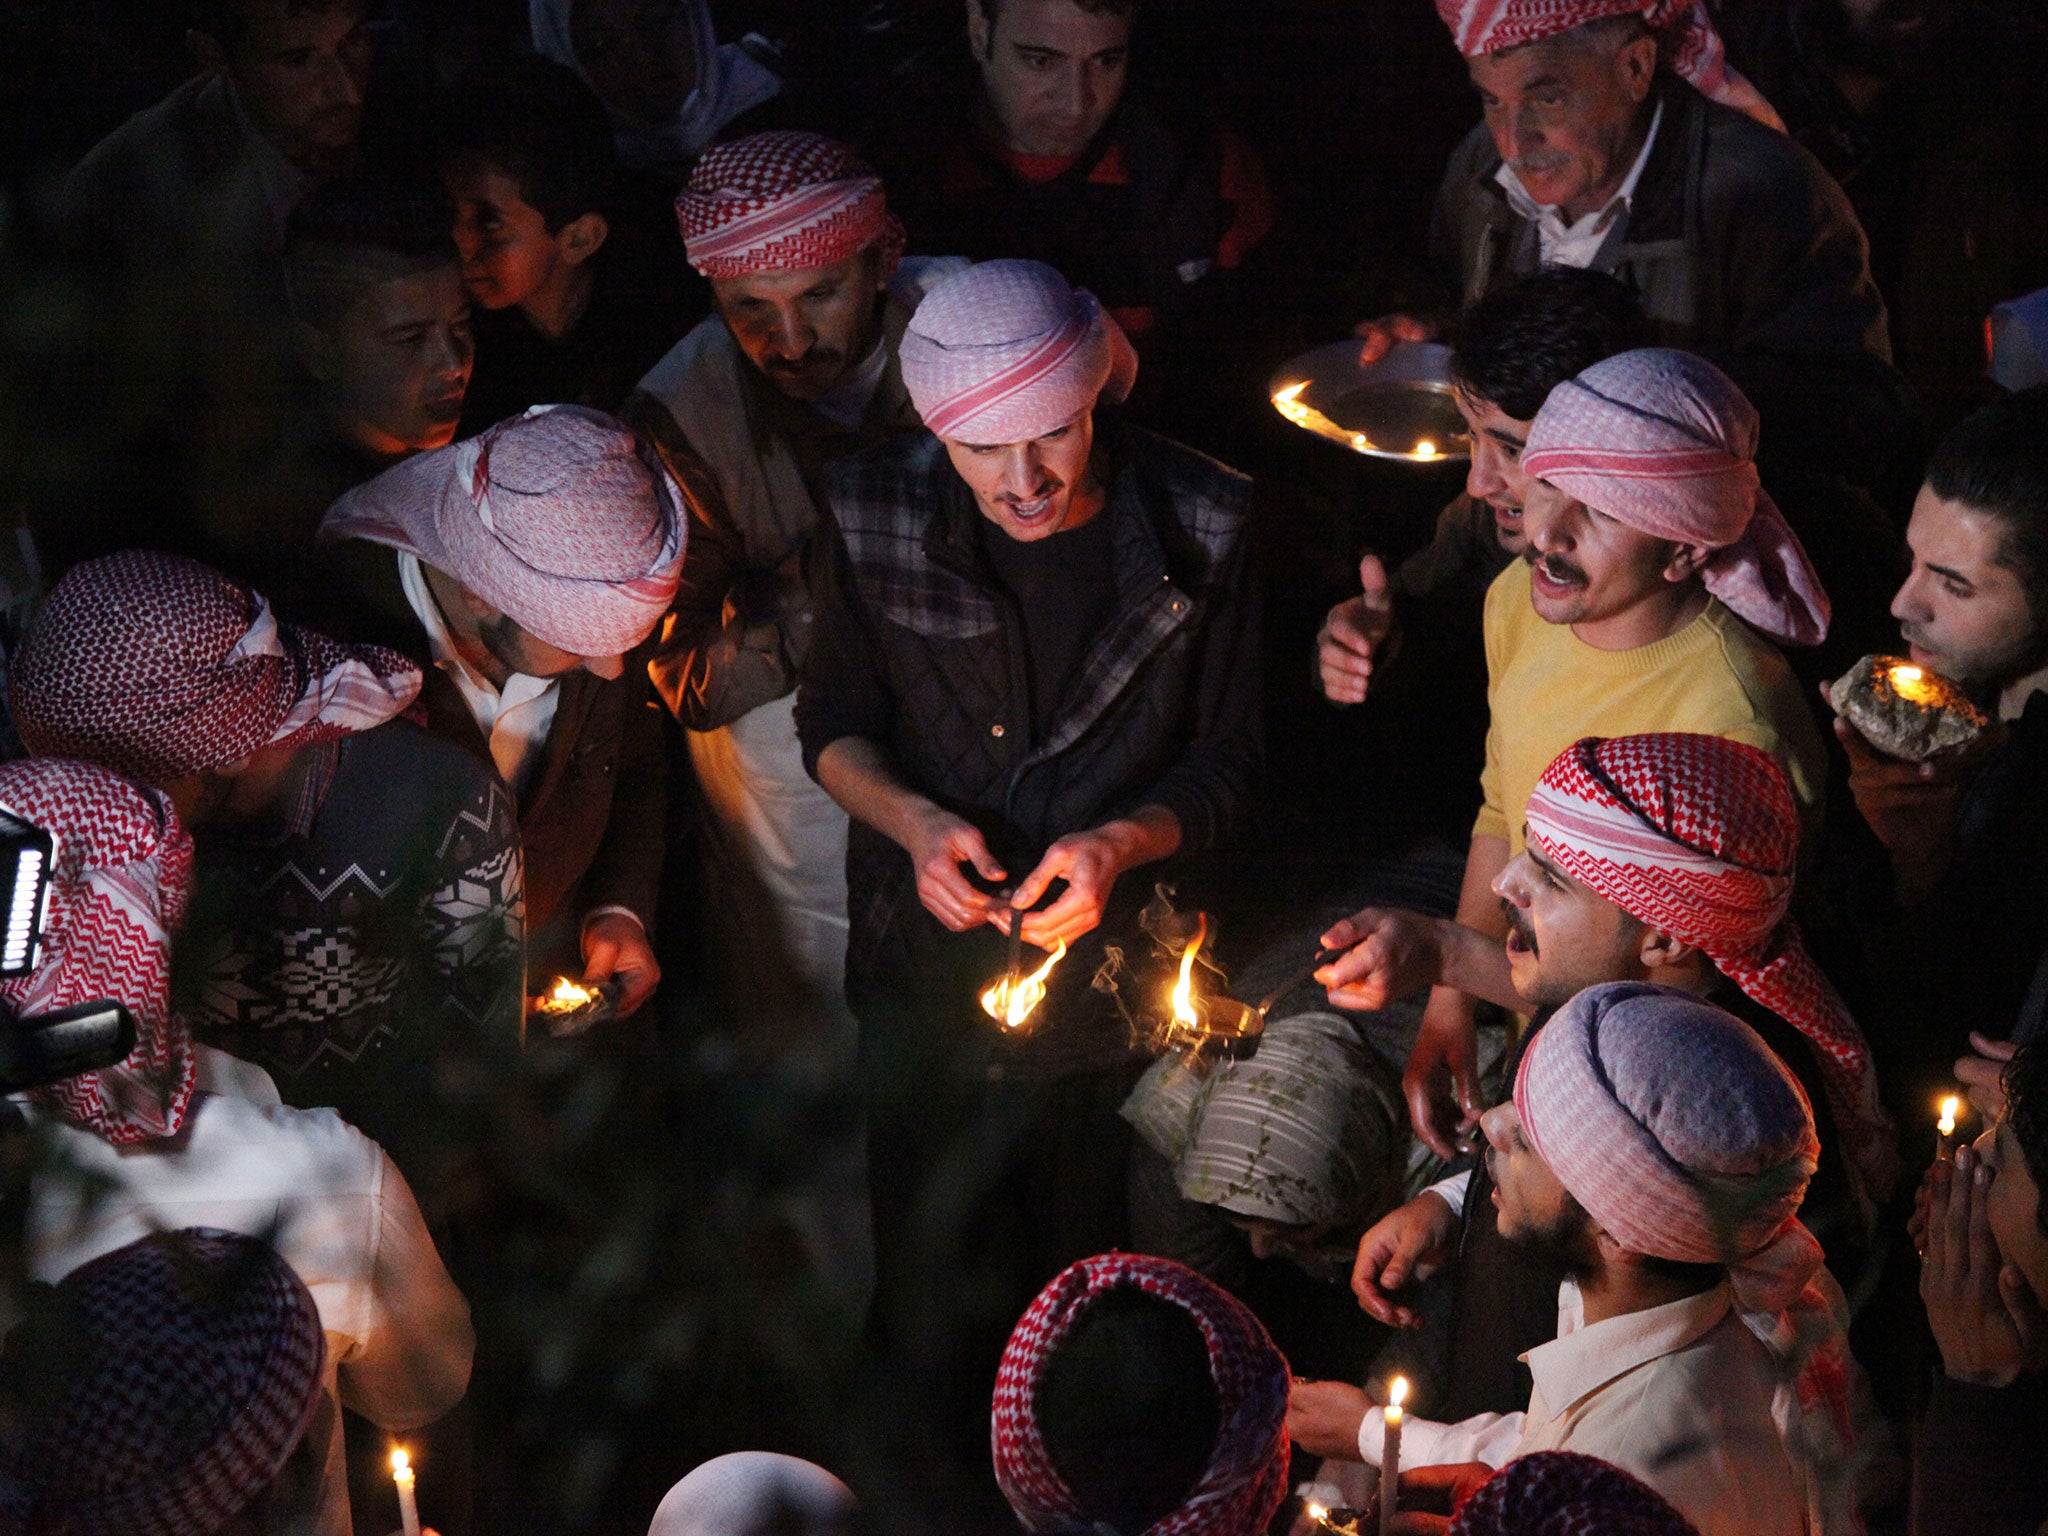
[969,845]
[1372,576]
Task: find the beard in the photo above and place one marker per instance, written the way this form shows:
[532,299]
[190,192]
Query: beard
[1566,1241]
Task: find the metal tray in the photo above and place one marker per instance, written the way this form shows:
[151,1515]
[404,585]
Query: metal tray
[1402,407]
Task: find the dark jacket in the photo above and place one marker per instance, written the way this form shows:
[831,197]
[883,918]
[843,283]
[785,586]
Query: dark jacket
[1741,248]
[1977,1465]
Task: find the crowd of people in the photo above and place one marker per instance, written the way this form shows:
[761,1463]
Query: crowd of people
[592,589]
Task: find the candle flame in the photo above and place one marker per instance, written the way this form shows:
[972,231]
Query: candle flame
[1425,449]
[1949,1108]
[1317,1513]
[567,995]
[400,1463]
[1913,685]
[1184,1015]
[1397,1394]
[1010,1007]
[1288,395]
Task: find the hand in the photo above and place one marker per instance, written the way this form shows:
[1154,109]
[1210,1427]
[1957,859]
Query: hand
[615,948]
[1982,1073]
[1380,335]
[1442,1079]
[1411,1243]
[1985,1317]
[1389,954]
[1440,1490]
[1089,862]
[1923,1202]
[1911,807]
[1355,635]
[1323,1418]
[941,843]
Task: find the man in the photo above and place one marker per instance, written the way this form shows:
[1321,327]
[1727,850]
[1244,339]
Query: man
[796,369]
[356,924]
[1698,1345]
[518,569]
[1034,672]
[1655,576]
[1616,137]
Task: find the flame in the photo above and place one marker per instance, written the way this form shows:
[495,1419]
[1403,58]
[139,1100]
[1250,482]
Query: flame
[1011,1008]
[1289,404]
[1913,685]
[401,1463]
[566,996]
[1317,1513]
[1288,395]
[1397,1394]
[1425,449]
[1949,1108]
[1184,1015]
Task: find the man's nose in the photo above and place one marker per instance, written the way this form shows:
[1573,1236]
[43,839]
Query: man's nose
[610,668]
[454,353]
[1525,133]
[793,336]
[1023,474]
[1907,602]
[337,85]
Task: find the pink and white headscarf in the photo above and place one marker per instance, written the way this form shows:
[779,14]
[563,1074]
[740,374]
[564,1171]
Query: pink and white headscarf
[159,667]
[1665,442]
[1009,350]
[1247,1475]
[562,519]
[118,886]
[783,202]
[1685,1137]
[1689,45]
[1698,836]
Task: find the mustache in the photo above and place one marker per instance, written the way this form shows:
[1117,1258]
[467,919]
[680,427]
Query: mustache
[1519,924]
[1538,163]
[1559,570]
[804,364]
[1052,487]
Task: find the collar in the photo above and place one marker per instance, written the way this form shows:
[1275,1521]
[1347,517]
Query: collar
[2015,695]
[1528,208]
[1584,1357]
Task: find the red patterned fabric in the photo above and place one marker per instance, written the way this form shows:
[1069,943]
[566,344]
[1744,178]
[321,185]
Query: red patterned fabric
[562,519]
[1664,441]
[197,1362]
[1247,1475]
[118,886]
[1008,350]
[158,667]
[1561,1493]
[783,202]
[1689,45]
[1698,836]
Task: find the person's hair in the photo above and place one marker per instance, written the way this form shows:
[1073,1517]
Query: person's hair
[360,230]
[1128,1409]
[2025,1081]
[991,9]
[1996,463]
[542,126]
[226,21]
[1520,342]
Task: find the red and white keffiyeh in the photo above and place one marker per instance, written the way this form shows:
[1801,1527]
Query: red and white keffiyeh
[1689,45]
[159,667]
[1665,442]
[118,886]
[1562,1493]
[1008,350]
[1698,836]
[562,519]
[1247,1475]
[783,202]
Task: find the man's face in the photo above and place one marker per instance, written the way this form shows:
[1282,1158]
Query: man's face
[1318,1249]
[1033,489]
[1563,936]
[1562,113]
[1962,613]
[1052,71]
[507,253]
[301,72]
[2013,1207]
[1586,567]
[397,364]
[640,56]
[1529,1202]
[804,330]
[518,650]
[1494,472]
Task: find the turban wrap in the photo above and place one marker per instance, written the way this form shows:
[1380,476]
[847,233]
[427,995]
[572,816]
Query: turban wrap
[1247,1474]
[1561,1493]
[190,1366]
[118,885]
[1698,837]
[562,519]
[159,667]
[783,202]
[1007,351]
[1665,442]
[750,1491]
[1684,1136]
[1687,41]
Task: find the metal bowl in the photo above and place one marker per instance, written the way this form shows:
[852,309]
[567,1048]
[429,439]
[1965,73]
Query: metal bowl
[1401,407]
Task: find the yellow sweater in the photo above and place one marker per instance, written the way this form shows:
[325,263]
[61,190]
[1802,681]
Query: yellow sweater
[1546,688]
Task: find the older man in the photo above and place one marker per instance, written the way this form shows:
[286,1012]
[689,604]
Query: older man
[518,568]
[1616,137]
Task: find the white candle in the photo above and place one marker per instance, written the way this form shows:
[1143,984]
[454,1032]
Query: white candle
[408,1506]
[1390,1455]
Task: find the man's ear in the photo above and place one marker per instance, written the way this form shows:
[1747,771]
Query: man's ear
[980,31]
[582,237]
[1660,951]
[1687,561]
[1636,63]
[207,51]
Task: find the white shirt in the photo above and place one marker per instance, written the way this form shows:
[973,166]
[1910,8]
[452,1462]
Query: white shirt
[1577,243]
[399,1340]
[1680,1395]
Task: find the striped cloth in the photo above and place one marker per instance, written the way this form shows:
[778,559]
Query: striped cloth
[784,202]
[1561,1493]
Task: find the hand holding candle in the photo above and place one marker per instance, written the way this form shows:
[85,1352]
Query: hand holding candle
[408,1506]
[1390,1455]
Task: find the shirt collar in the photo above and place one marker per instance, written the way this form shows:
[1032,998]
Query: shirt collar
[1528,208]
[2012,699]
[1585,1358]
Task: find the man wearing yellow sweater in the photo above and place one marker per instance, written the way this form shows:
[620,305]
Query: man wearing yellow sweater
[1656,576]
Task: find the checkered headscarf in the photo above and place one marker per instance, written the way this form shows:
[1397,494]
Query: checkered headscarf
[190,1365]
[1698,837]
[783,202]
[1247,1474]
[159,667]
[1688,43]
[1562,1493]
[118,885]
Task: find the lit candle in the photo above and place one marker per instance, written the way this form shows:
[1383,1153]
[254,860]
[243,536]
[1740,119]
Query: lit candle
[408,1506]
[1390,1455]
[1946,1125]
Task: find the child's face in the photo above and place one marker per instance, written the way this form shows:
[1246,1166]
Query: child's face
[507,253]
